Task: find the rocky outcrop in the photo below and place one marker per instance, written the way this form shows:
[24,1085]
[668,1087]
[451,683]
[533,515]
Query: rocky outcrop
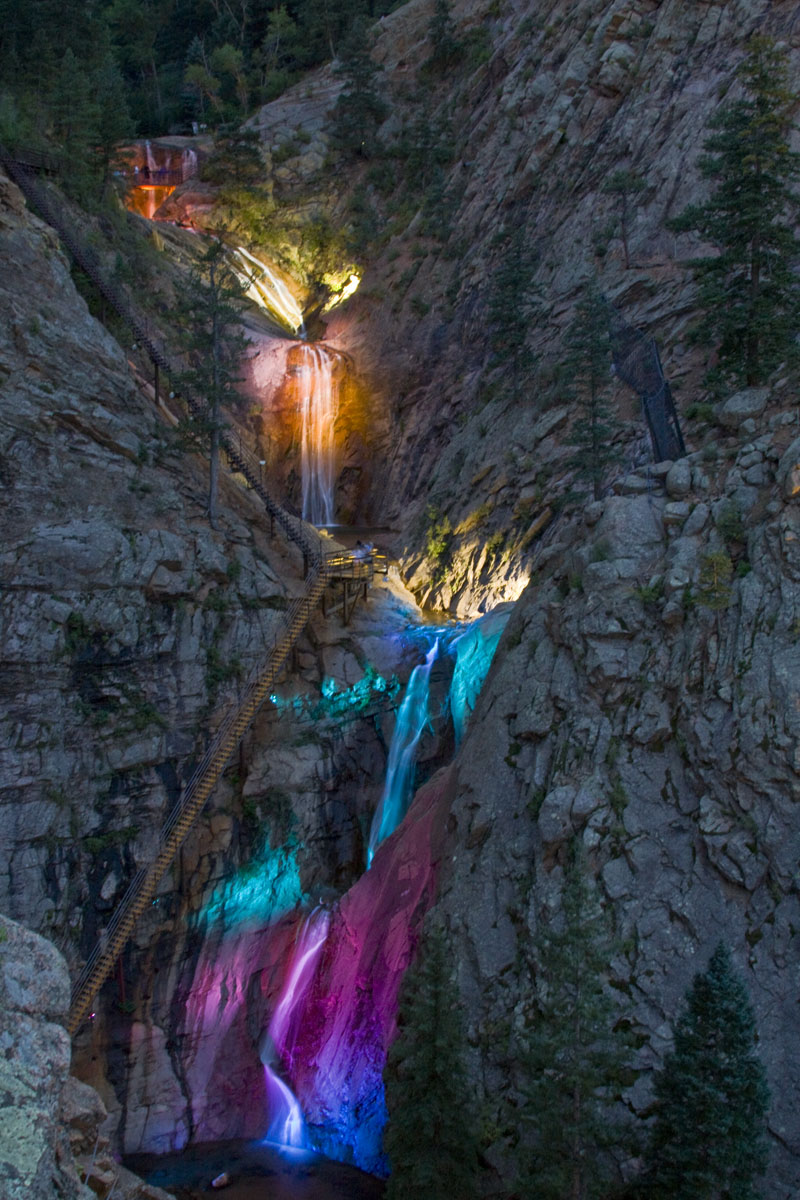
[50,1141]
[645,706]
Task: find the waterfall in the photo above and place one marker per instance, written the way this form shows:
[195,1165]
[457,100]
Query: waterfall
[266,290]
[188,164]
[319,405]
[152,166]
[287,1127]
[411,720]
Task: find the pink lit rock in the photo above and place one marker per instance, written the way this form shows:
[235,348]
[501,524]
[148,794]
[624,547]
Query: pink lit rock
[349,1018]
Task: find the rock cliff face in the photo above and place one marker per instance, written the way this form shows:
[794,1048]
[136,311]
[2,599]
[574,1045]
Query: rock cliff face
[630,709]
[642,699]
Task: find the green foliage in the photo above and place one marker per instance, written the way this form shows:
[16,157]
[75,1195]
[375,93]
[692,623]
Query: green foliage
[438,540]
[445,47]
[729,523]
[750,289]
[625,185]
[208,314]
[714,588]
[360,110]
[431,1136]
[708,1142]
[572,1053]
[588,360]
[512,305]
[236,159]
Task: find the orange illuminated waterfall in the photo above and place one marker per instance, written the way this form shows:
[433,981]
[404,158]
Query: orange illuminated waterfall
[319,406]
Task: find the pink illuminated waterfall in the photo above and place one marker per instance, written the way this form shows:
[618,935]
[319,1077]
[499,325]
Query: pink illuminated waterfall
[287,1127]
[319,406]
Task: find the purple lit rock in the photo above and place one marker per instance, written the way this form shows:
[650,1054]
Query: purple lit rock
[350,1014]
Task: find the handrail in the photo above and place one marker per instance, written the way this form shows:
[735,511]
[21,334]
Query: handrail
[239,456]
[203,780]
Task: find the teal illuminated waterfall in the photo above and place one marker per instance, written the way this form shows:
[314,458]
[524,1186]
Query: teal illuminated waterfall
[411,721]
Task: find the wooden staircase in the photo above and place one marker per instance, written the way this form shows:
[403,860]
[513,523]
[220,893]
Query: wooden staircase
[143,886]
[20,168]
[321,569]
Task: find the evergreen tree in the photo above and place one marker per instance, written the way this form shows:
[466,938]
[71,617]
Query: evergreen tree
[624,185]
[75,124]
[209,314]
[430,1139]
[444,45]
[709,1141]
[236,160]
[750,289]
[359,110]
[573,1054]
[114,122]
[588,361]
[512,304]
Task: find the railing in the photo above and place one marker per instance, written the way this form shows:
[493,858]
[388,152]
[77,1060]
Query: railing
[206,775]
[240,458]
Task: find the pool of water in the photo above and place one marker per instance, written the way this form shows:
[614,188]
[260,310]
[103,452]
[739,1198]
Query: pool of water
[257,1171]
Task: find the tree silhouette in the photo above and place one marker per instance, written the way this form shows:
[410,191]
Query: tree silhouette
[429,1138]
[750,289]
[709,1142]
[588,361]
[572,1053]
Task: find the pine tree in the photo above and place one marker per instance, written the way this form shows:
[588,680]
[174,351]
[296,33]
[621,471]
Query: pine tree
[709,1141]
[512,304]
[209,314]
[588,361]
[359,110]
[114,122]
[573,1053]
[430,1138]
[75,119]
[624,185]
[750,289]
[444,45]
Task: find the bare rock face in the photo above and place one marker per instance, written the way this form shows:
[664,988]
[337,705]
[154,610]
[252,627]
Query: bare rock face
[34,997]
[657,724]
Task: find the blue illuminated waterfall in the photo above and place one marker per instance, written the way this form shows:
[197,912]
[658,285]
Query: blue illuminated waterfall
[411,721]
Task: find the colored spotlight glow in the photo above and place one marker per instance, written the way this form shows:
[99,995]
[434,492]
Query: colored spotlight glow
[346,292]
[267,290]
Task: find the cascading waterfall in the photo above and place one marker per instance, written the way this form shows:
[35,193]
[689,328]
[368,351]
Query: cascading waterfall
[319,404]
[287,1127]
[411,721]
[152,165]
[264,288]
[188,163]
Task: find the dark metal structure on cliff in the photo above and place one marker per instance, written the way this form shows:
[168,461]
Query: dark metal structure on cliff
[637,363]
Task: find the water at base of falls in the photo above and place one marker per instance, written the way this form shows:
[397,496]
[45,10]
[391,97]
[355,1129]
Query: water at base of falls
[411,721]
[287,1126]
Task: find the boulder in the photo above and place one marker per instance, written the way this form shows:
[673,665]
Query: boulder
[746,405]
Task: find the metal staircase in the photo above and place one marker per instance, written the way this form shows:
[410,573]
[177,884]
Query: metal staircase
[354,571]
[239,457]
[143,886]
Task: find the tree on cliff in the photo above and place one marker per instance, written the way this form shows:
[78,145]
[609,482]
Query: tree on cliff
[359,110]
[430,1137]
[512,304]
[588,362]
[750,289]
[573,1052]
[209,314]
[709,1142]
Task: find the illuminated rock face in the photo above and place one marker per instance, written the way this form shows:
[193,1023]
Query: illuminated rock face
[349,1018]
[329,1039]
